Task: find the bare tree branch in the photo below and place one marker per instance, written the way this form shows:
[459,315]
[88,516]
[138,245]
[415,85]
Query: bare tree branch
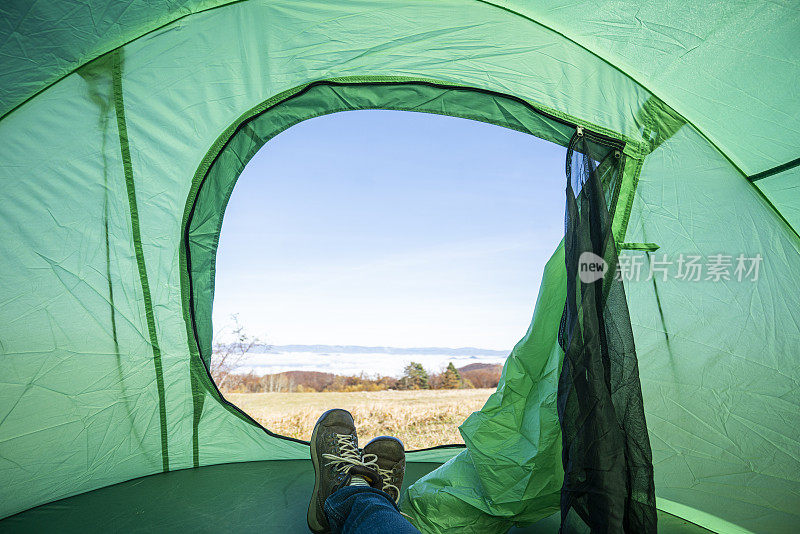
[227,358]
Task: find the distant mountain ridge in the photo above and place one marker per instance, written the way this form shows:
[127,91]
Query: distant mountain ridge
[358,349]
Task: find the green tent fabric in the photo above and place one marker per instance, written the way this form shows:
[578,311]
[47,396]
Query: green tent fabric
[513,451]
[266,496]
[123,129]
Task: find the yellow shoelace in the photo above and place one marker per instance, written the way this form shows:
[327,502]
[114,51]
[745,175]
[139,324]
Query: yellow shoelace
[348,456]
[385,474]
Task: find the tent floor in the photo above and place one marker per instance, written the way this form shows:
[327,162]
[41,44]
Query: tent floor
[269,496]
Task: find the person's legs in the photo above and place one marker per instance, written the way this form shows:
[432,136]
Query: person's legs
[337,464]
[355,493]
[365,510]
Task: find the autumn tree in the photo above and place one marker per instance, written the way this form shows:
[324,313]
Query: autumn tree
[451,379]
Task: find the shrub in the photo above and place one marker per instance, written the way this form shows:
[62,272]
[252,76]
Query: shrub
[482,375]
[414,377]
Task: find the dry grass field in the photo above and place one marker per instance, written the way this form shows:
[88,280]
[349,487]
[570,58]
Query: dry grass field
[420,418]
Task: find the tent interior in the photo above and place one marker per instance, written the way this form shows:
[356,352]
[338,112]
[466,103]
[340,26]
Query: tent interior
[125,125]
[249,496]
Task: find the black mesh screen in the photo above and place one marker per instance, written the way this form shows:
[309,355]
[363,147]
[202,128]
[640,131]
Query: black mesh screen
[608,469]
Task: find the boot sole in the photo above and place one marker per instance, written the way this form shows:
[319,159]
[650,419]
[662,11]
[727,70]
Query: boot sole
[313,520]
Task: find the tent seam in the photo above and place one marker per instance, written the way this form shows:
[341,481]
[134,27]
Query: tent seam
[110,50]
[778,169]
[691,123]
[618,69]
[119,108]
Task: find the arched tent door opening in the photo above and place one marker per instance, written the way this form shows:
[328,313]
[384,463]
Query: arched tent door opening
[215,179]
[351,237]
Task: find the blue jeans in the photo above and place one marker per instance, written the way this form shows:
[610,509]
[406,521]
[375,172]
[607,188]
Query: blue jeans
[363,510]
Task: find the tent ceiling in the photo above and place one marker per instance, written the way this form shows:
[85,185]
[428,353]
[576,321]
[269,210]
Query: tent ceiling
[729,67]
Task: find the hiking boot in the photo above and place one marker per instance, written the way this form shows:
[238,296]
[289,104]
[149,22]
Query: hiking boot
[387,456]
[337,463]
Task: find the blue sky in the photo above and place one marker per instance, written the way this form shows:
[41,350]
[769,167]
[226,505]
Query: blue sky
[391,228]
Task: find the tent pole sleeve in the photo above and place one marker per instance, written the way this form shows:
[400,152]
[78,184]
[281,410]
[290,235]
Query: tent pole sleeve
[119,108]
[775,170]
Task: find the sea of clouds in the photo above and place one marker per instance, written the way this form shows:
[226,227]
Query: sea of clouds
[371,361]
